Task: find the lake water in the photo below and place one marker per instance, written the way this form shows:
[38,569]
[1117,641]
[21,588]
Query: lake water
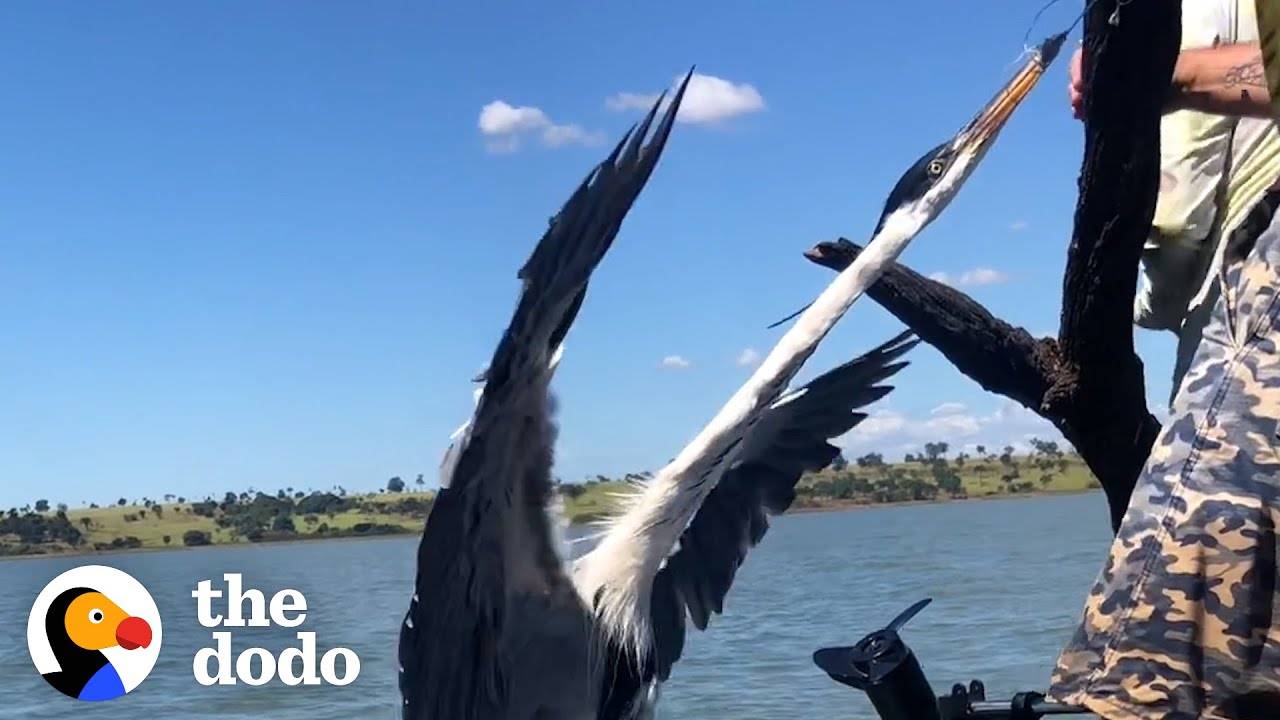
[1007,577]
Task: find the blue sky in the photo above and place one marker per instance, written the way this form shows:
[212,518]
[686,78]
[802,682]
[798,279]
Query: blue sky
[267,244]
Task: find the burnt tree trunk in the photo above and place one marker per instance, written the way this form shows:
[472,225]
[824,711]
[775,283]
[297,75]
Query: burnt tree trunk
[1089,382]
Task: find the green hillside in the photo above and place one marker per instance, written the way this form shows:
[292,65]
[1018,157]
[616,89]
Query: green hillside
[256,517]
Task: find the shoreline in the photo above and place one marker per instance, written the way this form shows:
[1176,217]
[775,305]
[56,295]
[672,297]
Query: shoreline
[833,506]
[850,505]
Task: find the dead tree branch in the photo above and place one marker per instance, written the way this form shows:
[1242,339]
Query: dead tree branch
[1089,382]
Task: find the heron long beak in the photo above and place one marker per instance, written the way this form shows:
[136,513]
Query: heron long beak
[976,137]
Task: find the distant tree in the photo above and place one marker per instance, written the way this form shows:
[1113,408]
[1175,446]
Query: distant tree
[282,523]
[299,495]
[842,487]
[909,458]
[839,464]
[871,459]
[572,490]
[1048,448]
[122,502]
[280,495]
[42,506]
[946,479]
[142,513]
[981,449]
[230,498]
[419,481]
[395,485]
[93,506]
[167,539]
[168,497]
[158,511]
[182,500]
[193,538]
[1006,457]
[62,508]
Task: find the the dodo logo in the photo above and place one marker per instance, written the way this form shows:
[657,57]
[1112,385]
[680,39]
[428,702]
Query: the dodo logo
[94,633]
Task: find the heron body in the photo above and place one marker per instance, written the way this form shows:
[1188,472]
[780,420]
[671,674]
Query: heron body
[499,627]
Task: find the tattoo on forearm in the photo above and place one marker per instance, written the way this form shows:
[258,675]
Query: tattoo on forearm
[1247,75]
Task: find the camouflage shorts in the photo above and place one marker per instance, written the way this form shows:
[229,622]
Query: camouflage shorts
[1182,623]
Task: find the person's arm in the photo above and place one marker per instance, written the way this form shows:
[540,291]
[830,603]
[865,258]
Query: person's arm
[1224,80]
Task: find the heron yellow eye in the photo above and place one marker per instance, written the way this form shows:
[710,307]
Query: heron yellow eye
[95,616]
[935,167]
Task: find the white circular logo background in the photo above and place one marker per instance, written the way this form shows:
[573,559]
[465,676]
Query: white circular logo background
[133,665]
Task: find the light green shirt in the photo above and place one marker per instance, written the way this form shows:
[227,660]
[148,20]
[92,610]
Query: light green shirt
[1213,170]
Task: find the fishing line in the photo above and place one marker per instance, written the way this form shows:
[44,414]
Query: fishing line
[1026,37]
[1113,20]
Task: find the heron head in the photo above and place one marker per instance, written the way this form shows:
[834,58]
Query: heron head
[935,178]
[929,185]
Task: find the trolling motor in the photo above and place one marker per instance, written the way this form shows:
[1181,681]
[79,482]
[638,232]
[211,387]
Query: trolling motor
[882,666]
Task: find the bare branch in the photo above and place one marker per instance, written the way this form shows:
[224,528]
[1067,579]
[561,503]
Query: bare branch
[1090,382]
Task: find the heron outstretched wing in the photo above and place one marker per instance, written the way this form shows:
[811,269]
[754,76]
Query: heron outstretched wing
[792,438]
[487,538]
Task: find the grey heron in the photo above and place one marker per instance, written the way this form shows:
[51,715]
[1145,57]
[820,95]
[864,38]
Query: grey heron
[497,628]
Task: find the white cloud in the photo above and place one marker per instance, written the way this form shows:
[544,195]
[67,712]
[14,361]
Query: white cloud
[950,408]
[748,357]
[630,101]
[1018,225]
[675,362]
[505,127]
[499,118]
[974,277]
[983,276]
[893,434]
[707,101]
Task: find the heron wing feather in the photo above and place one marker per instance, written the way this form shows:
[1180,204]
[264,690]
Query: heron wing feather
[488,531]
[792,438]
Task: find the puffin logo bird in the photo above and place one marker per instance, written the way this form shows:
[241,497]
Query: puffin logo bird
[80,623]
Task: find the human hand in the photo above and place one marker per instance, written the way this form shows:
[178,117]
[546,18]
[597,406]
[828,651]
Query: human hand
[1075,85]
